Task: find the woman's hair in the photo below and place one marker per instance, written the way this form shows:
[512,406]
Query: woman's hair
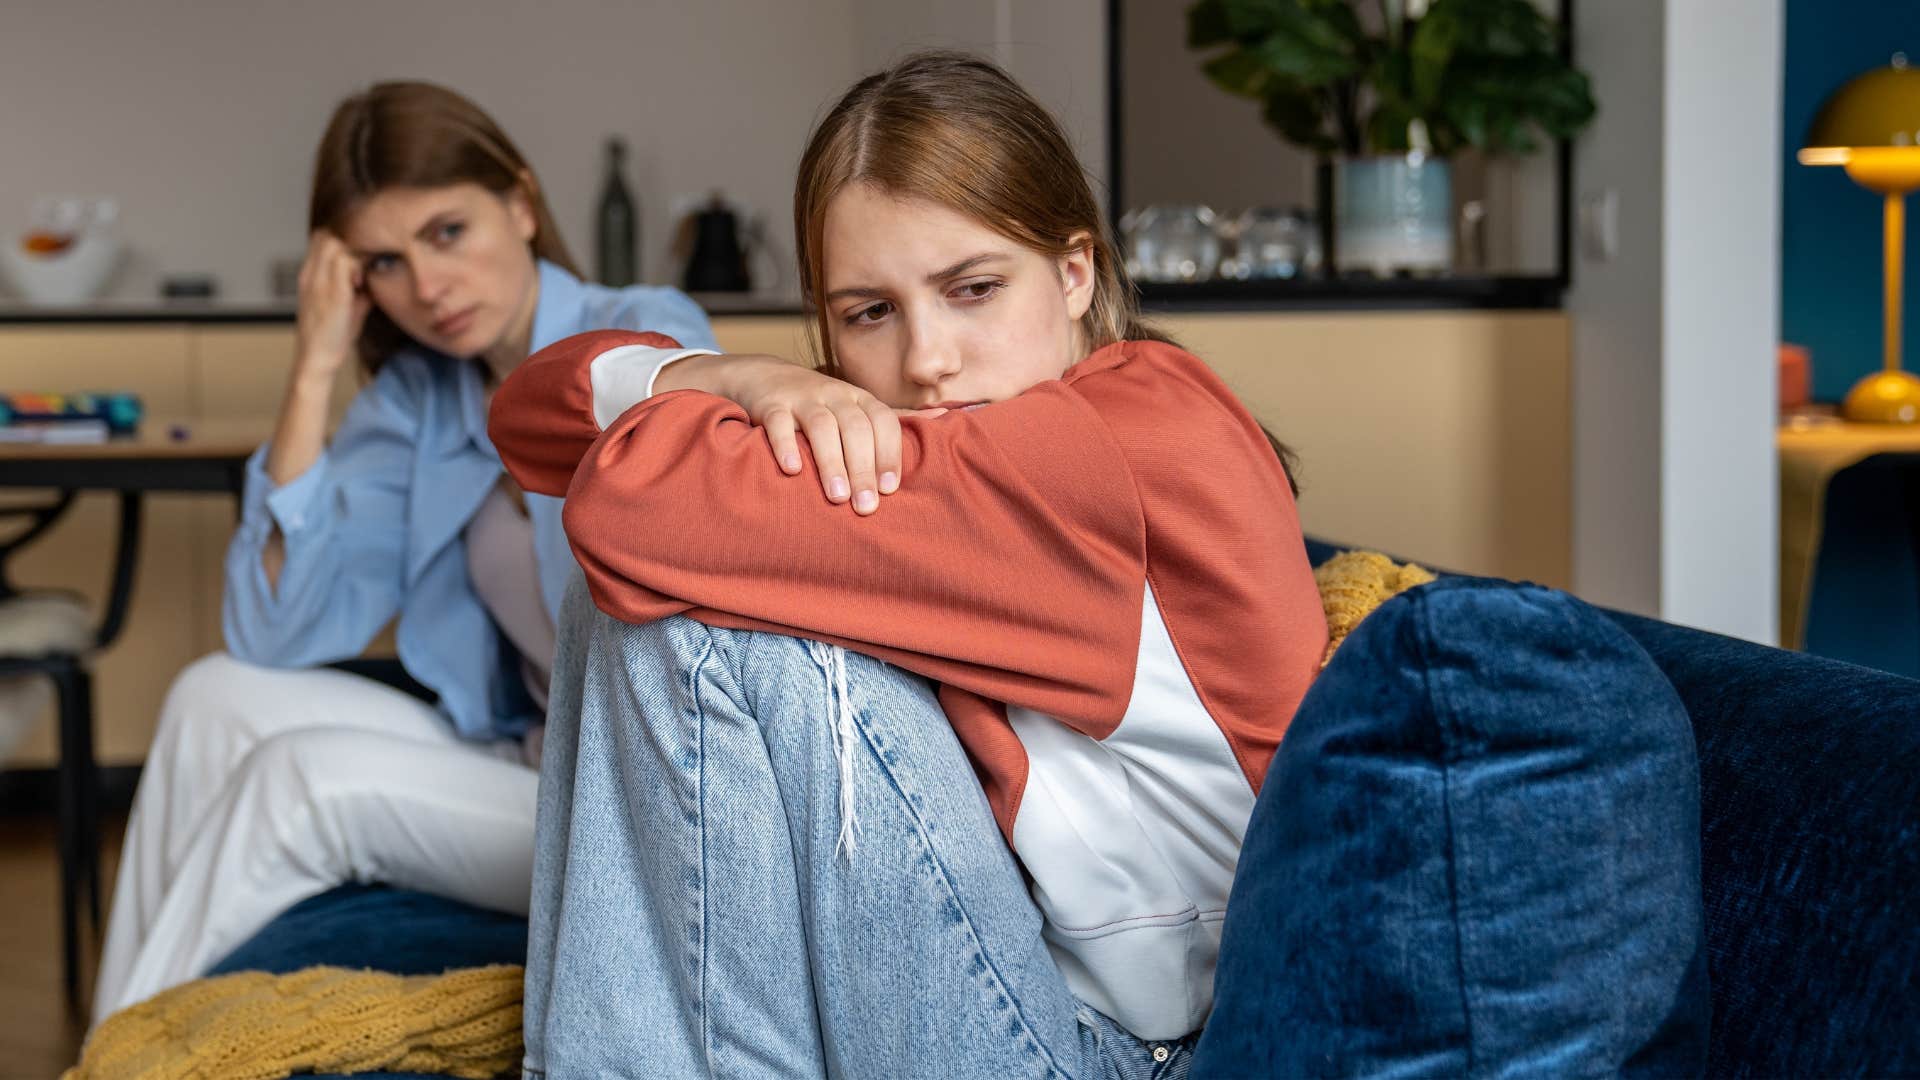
[955,130]
[417,134]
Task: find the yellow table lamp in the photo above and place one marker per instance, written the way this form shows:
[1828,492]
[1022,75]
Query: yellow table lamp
[1871,126]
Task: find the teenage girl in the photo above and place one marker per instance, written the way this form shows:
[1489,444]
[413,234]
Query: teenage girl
[951,782]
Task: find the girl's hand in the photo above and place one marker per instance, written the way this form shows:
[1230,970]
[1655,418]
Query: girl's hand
[854,436]
[333,307]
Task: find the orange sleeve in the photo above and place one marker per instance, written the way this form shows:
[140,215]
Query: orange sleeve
[1227,561]
[1010,563]
[541,419]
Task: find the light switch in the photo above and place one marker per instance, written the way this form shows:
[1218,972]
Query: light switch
[1600,225]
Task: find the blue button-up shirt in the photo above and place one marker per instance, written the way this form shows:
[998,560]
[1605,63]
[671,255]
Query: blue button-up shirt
[373,528]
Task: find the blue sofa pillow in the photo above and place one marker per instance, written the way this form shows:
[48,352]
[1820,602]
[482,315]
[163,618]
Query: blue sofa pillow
[1476,853]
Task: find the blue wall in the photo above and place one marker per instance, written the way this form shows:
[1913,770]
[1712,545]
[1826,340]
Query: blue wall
[1830,226]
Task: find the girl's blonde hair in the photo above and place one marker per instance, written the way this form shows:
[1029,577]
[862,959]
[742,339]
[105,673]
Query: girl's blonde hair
[955,130]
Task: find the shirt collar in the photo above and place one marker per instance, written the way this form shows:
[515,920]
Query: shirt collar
[561,297]
[554,314]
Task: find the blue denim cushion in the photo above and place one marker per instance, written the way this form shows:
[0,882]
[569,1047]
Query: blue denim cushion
[1476,853]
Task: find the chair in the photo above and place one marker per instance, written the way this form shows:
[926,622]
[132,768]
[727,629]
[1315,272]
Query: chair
[51,635]
[1864,604]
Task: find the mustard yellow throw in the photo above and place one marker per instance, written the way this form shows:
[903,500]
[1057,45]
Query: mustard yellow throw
[256,1026]
[1353,583]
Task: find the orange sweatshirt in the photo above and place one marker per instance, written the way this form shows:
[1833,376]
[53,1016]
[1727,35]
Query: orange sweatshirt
[1105,575]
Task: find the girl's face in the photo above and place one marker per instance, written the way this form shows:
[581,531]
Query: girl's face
[451,266]
[927,307]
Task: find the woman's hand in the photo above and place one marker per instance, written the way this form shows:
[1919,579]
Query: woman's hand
[854,436]
[333,308]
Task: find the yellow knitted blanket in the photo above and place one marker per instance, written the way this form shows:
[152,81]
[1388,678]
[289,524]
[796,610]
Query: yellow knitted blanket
[1353,583]
[466,1023]
[254,1026]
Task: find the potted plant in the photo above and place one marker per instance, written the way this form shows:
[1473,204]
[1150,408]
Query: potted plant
[1384,92]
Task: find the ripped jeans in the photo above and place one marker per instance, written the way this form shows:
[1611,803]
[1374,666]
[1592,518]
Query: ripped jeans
[761,856]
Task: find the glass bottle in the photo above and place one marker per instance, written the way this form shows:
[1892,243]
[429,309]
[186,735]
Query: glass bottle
[617,226]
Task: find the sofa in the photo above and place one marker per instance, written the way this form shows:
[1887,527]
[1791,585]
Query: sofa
[1810,865]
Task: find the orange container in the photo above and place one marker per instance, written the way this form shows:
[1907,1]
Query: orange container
[1796,376]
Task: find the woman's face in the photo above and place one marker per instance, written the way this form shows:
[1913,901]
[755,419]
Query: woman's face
[926,306]
[451,266]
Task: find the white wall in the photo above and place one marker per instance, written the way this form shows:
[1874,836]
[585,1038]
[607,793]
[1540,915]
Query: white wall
[1719,499]
[202,117]
[1674,337]
[1056,48]
[1616,306]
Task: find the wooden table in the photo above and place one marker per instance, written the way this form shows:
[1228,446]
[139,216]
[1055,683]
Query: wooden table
[164,456]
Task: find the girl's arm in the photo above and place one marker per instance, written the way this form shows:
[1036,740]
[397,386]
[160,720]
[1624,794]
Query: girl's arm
[1010,562]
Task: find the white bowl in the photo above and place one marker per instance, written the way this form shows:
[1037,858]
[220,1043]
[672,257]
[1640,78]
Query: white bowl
[71,276]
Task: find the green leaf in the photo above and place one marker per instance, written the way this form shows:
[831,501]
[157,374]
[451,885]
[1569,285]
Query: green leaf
[1207,24]
[1387,128]
[1299,115]
[1218,22]
[1498,103]
[1429,51]
[1239,72]
[1306,57]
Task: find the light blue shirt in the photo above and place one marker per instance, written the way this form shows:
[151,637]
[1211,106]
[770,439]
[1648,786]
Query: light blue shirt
[373,529]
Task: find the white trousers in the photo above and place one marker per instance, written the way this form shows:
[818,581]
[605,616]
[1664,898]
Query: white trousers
[265,787]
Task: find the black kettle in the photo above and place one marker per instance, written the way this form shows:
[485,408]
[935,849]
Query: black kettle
[719,260]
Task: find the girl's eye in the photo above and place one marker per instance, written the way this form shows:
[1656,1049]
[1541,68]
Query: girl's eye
[870,314]
[380,264]
[978,290]
[449,232]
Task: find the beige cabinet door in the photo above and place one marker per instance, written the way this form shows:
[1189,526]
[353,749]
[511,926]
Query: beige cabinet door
[784,336]
[1442,437]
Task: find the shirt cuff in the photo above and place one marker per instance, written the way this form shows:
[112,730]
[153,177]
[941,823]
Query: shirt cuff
[623,377]
[288,504]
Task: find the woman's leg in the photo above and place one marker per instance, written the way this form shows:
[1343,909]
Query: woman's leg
[314,808]
[216,712]
[692,915]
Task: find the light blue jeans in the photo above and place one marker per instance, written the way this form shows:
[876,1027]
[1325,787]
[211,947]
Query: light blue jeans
[692,918]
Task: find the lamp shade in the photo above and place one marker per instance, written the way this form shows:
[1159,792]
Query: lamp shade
[1879,108]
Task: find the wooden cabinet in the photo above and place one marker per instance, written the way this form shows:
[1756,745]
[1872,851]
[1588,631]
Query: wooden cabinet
[1437,436]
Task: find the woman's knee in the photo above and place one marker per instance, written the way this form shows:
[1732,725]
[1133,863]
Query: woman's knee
[211,709]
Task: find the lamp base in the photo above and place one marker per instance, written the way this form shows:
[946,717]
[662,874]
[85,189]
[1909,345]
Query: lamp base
[1885,397]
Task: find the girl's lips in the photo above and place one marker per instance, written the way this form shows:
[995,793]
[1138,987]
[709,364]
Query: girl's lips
[951,405]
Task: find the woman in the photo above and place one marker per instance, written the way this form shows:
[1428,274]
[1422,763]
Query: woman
[436,265]
[758,854]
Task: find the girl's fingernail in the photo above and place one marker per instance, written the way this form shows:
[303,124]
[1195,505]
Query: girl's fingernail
[866,502]
[791,462]
[837,489]
[889,482]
